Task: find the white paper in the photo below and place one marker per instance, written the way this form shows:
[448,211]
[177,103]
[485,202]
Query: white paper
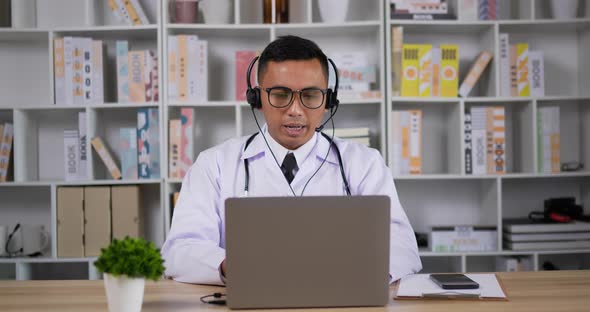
[418,285]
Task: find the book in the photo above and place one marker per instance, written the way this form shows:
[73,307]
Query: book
[182,68]
[172,68]
[525,225]
[186,140]
[128,153]
[449,81]
[468,144]
[70,222]
[202,90]
[468,10]
[463,238]
[537,73]
[504,65]
[137,76]
[423,17]
[572,244]
[548,140]
[69,70]
[136,12]
[174,134]
[419,7]
[151,76]
[59,71]
[88,70]
[522,72]
[154,140]
[6,138]
[513,70]
[355,72]
[415,141]
[71,155]
[436,72]
[397,41]
[410,70]
[148,143]
[475,73]
[478,140]
[83,145]
[348,132]
[122,60]
[97,72]
[499,140]
[425,70]
[106,157]
[539,237]
[123,12]
[488,9]
[78,70]
[243,58]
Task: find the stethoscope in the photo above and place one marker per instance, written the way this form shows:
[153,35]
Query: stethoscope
[247,167]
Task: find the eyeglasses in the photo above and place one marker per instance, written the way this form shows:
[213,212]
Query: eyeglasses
[281,97]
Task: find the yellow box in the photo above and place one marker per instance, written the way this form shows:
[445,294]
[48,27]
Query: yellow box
[449,75]
[410,68]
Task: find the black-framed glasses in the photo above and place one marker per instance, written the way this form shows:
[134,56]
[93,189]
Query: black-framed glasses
[281,97]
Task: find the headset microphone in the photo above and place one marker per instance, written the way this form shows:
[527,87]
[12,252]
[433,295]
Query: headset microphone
[332,113]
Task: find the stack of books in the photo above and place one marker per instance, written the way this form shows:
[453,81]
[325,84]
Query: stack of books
[485,140]
[522,70]
[524,234]
[420,9]
[359,135]
[187,69]
[137,74]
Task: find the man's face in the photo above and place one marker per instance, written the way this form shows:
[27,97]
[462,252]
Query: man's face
[294,125]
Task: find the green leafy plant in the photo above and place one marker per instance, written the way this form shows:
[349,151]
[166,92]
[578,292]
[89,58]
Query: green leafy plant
[133,257]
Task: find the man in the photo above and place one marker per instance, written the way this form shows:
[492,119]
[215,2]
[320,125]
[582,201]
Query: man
[293,82]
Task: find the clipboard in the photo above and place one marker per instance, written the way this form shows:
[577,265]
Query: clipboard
[420,287]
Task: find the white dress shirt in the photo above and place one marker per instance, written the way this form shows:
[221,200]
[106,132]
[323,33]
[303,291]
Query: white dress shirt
[195,246]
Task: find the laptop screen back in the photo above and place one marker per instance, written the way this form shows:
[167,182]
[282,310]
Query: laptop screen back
[286,252]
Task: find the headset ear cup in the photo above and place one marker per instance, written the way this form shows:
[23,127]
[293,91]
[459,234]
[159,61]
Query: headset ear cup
[253,97]
[329,99]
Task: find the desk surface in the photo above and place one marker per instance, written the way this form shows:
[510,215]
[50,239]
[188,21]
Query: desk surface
[527,291]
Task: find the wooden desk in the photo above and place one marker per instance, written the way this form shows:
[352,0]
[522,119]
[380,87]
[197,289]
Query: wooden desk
[527,291]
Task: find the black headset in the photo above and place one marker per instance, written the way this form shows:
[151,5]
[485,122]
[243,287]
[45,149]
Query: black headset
[253,94]
[254,99]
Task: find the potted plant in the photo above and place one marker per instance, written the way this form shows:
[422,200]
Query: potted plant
[125,265]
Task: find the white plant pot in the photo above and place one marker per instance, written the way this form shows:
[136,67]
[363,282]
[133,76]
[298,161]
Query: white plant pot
[564,9]
[333,11]
[124,294]
[216,11]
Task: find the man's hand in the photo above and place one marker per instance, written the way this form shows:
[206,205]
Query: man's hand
[223,268]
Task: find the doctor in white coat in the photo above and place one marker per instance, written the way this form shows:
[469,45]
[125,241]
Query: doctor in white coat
[290,157]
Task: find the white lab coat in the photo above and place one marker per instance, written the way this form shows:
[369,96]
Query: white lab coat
[195,246]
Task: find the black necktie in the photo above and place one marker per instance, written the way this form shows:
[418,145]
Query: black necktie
[289,166]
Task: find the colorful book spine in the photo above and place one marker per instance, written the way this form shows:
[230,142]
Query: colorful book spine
[504,65]
[123,12]
[449,82]
[83,145]
[143,145]
[155,77]
[468,144]
[135,20]
[397,42]
[59,71]
[537,74]
[122,47]
[71,155]
[106,157]
[154,141]
[548,140]
[475,73]
[186,140]
[97,72]
[6,136]
[499,137]
[478,139]
[182,68]
[140,12]
[69,70]
[436,72]
[425,70]
[115,10]
[489,140]
[172,68]
[488,9]
[513,70]
[396,142]
[410,69]
[243,59]
[78,71]
[415,141]
[88,71]
[522,73]
[174,134]
[128,152]
[137,60]
[147,79]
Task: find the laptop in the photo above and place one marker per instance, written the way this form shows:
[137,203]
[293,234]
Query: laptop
[295,252]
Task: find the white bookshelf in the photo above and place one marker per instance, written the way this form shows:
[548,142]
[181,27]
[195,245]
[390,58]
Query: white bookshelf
[455,198]
[26,100]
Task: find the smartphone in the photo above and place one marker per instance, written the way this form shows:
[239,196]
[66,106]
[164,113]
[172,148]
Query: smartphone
[454,281]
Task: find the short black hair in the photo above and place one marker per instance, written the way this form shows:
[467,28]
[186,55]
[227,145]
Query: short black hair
[291,48]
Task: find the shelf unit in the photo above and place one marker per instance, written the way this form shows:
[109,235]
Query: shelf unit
[457,198]
[26,100]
